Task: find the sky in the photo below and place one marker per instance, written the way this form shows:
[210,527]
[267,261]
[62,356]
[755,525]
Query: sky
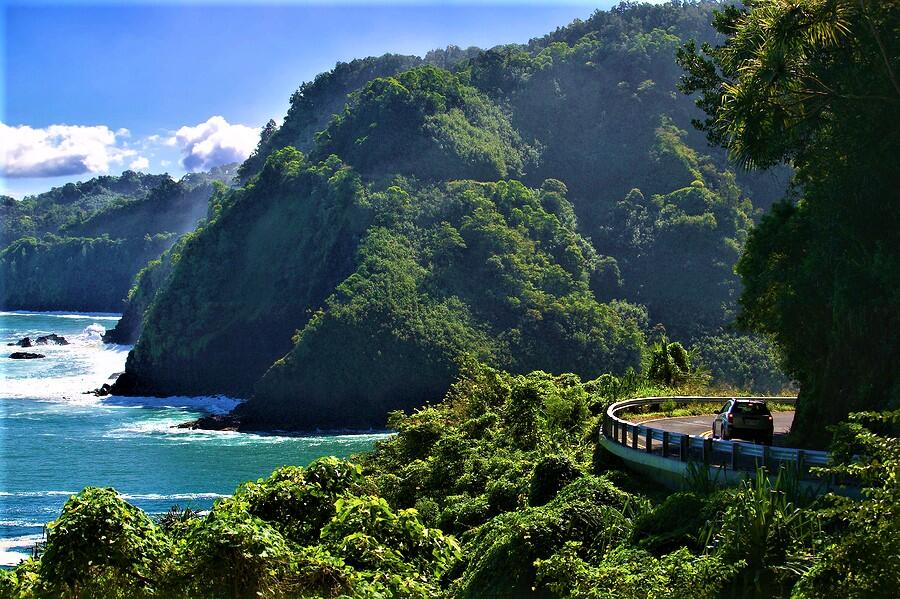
[90,89]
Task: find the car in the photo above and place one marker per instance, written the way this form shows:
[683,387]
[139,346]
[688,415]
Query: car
[744,419]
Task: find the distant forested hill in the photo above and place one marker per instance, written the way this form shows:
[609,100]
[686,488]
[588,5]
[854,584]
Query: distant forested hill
[536,206]
[78,247]
[50,211]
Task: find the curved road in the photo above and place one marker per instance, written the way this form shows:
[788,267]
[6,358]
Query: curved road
[702,425]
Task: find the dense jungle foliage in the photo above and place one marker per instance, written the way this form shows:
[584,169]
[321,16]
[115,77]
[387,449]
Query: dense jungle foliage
[78,247]
[409,276]
[600,212]
[72,203]
[816,83]
[74,273]
[498,491]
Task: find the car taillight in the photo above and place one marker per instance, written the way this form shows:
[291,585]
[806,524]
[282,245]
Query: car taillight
[730,418]
[769,417]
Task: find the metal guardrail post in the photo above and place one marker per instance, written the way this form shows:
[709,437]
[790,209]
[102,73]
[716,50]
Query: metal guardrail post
[634,436]
[735,449]
[707,451]
[685,448]
[665,444]
[648,440]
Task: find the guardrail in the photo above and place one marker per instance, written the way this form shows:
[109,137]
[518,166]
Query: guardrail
[666,454]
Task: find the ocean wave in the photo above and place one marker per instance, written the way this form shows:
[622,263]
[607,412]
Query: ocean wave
[94,332]
[125,496]
[35,493]
[210,404]
[70,315]
[170,497]
[15,549]
[21,541]
[21,524]
[12,558]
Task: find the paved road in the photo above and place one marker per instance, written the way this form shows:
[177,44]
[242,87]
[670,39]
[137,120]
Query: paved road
[701,425]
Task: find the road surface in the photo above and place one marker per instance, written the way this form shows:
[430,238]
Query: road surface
[702,425]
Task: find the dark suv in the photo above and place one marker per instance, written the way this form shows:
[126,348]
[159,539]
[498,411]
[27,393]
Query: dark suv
[744,419]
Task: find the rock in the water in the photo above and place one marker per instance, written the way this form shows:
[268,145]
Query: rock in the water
[51,339]
[213,422]
[24,355]
[102,391]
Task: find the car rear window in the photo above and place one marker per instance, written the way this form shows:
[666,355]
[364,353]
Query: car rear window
[752,409]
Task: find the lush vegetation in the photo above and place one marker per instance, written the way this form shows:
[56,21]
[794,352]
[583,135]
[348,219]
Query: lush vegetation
[594,105]
[79,246]
[74,273]
[816,83]
[599,212]
[409,276]
[70,204]
[147,282]
[427,123]
[498,491]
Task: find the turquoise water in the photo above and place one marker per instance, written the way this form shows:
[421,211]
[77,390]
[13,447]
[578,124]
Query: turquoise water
[55,440]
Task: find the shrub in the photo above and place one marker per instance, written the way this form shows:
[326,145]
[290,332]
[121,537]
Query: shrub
[300,501]
[502,552]
[99,540]
[232,553]
[551,474]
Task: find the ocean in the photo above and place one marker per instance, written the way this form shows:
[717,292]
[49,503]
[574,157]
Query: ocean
[56,440]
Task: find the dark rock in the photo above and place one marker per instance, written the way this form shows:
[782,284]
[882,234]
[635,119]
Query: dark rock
[51,339]
[126,384]
[101,391]
[24,355]
[226,422]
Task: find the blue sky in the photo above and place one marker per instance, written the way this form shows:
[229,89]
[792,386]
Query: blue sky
[89,89]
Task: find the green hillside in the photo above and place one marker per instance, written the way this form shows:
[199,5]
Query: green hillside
[80,245]
[360,274]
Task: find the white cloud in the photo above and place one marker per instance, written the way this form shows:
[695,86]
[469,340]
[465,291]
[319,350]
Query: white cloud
[60,150]
[139,163]
[214,143]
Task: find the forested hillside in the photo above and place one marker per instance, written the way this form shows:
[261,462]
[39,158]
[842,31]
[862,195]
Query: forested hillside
[600,213]
[70,204]
[78,247]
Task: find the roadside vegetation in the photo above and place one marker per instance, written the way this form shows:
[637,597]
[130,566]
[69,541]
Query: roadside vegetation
[500,490]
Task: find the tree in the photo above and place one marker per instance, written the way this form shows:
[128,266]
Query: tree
[814,83]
